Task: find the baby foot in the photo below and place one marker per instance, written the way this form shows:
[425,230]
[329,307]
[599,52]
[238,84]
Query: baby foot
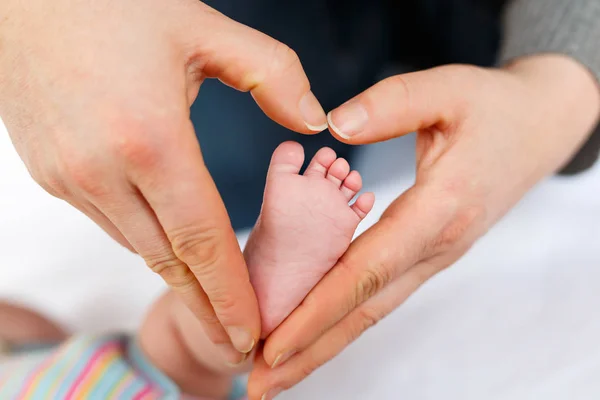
[305,226]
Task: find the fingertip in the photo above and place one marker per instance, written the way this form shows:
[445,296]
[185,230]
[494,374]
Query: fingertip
[335,131]
[350,119]
[249,60]
[242,339]
[315,129]
[257,381]
[270,355]
[293,111]
[312,113]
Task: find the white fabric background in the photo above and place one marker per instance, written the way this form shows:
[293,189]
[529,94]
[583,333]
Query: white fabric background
[517,318]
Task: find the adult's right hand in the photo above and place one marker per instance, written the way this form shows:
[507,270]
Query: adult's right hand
[96,96]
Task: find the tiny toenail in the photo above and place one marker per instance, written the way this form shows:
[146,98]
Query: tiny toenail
[349,119]
[312,113]
[283,357]
[270,395]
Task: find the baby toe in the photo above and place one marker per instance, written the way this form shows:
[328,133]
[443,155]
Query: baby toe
[364,204]
[287,158]
[338,171]
[321,162]
[352,185]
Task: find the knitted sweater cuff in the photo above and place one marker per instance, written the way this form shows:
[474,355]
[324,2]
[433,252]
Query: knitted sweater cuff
[570,27]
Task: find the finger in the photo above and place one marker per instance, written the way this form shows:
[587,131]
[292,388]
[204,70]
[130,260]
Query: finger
[400,105]
[264,379]
[103,222]
[375,259]
[249,60]
[132,215]
[178,188]
[93,213]
[60,188]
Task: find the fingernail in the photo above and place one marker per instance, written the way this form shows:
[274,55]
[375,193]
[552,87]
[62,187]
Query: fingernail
[232,357]
[283,357]
[270,395]
[312,113]
[241,339]
[349,119]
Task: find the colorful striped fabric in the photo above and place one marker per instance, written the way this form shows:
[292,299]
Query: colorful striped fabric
[88,367]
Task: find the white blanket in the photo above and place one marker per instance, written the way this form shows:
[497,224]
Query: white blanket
[517,318]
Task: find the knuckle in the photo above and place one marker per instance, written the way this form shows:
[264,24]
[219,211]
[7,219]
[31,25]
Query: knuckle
[469,72]
[214,328]
[425,271]
[402,88]
[56,187]
[401,83]
[461,73]
[84,172]
[198,247]
[136,149]
[466,78]
[461,228]
[283,59]
[141,142]
[370,282]
[208,11]
[223,303]
[461,215]
[172,270]
[36,176]
[367,318]
[51,183]
[48,189]
[306,370]
[311,365]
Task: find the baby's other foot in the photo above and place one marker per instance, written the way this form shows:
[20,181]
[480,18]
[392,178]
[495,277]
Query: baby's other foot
[305,226]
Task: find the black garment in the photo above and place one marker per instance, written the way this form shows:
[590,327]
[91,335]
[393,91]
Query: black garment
[344,46]
[341,55]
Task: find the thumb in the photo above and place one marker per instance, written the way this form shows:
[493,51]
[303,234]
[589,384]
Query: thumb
[249,60]
[402,104]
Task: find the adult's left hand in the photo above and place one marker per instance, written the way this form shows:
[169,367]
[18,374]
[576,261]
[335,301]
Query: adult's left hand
[485,136]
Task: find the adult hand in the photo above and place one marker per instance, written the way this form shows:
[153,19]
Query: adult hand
[96,96]
[485,136]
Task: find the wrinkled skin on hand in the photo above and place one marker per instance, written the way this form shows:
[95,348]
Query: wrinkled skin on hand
[96,95]
[484,137]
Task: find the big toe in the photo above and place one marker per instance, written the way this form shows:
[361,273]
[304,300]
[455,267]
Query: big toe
[287,158]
